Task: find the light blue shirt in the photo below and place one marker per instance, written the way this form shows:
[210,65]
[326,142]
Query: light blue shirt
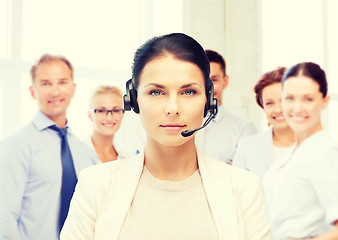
[30,179]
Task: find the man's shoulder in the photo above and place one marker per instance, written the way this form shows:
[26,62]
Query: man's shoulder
[236,124]
[231,117]
[76,140]
[24,134]
[237,174]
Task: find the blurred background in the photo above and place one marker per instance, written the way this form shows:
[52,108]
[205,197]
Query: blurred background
[100,37]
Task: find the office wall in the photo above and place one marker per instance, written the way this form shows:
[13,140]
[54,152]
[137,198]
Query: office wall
[231,27]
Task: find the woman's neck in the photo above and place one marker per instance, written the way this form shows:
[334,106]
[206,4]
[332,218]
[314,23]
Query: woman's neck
[171,163]
[283,137]
[104,147]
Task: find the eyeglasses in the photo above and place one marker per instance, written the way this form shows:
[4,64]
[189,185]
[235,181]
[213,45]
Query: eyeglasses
[104,112]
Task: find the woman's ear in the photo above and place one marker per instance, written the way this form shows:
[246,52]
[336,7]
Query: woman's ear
[326,101]
[90,115]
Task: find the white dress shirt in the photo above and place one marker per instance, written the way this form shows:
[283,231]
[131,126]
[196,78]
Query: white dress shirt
[220,138]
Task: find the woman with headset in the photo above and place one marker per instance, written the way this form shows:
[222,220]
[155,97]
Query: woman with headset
[302,190]
[171,190]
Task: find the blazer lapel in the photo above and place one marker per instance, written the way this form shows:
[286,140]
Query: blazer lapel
[121,194]
[221,197]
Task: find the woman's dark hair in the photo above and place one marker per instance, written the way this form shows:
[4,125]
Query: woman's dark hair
[178,45]
[311,70]
[267,79]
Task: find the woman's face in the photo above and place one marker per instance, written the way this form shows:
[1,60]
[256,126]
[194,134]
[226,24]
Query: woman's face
[272,106]
[171,97]
[302,104]
[106,123]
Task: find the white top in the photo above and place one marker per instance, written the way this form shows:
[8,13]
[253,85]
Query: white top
[105,193]
[120,153]
[302,191]
[282,153]
[220,138]
[169,210]
[256,153]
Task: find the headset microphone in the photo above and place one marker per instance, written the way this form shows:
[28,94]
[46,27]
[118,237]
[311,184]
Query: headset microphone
[190,132]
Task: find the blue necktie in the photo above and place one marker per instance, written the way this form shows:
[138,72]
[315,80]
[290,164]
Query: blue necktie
[68,174]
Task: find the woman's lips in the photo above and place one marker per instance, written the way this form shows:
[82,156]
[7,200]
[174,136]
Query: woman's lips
[173,127]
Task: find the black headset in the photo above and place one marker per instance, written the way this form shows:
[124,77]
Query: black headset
[130,98]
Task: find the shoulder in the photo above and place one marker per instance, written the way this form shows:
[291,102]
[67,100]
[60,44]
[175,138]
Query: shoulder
[21,138]
[82,147]
[238,122]
[82,143]
[239,177]
[244,183]
[243,179]
[104,172]
[328,152]
[100,181]
[255,138]
[322,146]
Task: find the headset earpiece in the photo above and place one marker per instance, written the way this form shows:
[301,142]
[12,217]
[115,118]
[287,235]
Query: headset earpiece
[130,98]
[212,103]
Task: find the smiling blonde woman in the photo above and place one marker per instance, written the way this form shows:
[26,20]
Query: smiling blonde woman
[106,114]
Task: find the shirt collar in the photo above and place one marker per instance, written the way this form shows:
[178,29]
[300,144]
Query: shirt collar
[41,121]
[221,112]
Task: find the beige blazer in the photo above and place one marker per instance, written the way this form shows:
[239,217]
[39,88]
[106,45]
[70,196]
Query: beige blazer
[104,193]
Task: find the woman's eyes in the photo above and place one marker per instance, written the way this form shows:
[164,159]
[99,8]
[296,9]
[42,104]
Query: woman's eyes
[189,92]
[156,92]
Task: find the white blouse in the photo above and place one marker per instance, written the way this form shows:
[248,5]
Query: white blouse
[302,190]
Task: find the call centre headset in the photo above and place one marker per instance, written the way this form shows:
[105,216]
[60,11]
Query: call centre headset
[130,102]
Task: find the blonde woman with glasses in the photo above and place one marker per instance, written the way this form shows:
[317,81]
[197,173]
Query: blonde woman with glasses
[106,113]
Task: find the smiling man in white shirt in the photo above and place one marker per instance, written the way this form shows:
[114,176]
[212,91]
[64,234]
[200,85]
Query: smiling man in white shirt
[220,138]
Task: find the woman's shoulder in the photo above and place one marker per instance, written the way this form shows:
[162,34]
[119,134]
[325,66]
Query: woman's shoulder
[242,178]
[318,145]
[104,171]
[254,138]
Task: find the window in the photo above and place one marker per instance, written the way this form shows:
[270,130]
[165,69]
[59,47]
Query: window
[303,30]
[98,37]
[5,28]
[291,32]
[332,62]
